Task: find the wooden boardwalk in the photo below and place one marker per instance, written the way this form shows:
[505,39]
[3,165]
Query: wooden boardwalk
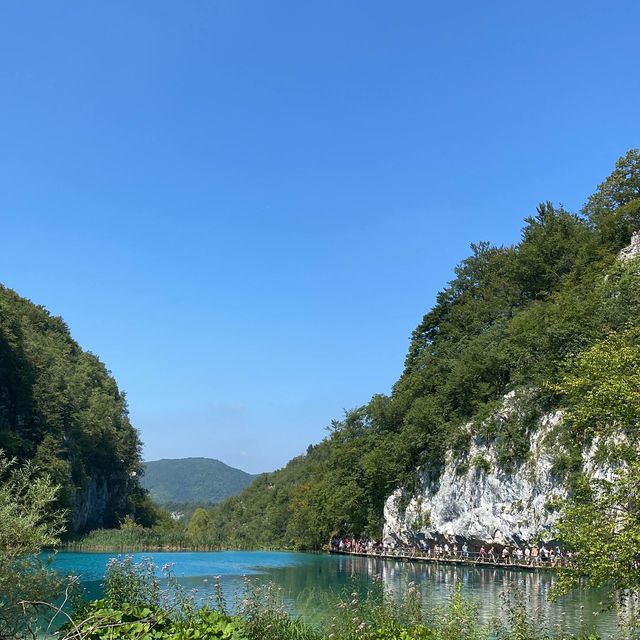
[466,562]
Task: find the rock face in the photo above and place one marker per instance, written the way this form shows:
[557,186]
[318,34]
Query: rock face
[100,496]
[633,249]
[473,499]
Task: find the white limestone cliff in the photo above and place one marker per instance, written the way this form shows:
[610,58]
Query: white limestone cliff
[474,499]
[632,250]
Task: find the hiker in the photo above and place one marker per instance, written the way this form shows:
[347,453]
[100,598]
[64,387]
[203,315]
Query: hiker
[534,555]
[544,554]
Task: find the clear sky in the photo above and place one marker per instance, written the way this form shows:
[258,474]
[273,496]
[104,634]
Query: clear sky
[245,207]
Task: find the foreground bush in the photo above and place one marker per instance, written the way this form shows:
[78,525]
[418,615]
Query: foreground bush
[28,522]
[102,622]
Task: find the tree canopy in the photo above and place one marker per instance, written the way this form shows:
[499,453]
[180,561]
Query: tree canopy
[601,521]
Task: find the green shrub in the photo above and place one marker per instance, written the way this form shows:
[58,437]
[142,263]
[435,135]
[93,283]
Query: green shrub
[481,463]
[28,522]
[458,619]
[102,622]
[132,584]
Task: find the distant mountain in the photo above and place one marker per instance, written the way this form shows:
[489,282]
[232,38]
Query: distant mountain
[199,480]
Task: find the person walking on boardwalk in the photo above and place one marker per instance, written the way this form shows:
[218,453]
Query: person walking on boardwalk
[465,551]
[534,555]
[543,555]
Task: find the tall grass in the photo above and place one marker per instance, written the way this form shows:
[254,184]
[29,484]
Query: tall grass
[139,539]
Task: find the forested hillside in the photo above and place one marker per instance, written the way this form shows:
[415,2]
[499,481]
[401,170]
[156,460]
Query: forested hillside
[192,480]
[512,318]
[61,408]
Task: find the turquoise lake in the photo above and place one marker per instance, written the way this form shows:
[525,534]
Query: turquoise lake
[309,581]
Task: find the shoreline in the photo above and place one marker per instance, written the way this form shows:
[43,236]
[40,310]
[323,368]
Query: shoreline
[133,548]
[403,557]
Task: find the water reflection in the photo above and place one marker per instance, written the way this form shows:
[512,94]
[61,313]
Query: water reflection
[311,582]
[484,584]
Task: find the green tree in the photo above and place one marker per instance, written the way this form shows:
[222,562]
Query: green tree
[28,523]
[602,521]
[554,243]
[614,209]
[199,524]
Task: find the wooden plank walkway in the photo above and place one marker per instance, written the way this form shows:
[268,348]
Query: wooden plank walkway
[470,562]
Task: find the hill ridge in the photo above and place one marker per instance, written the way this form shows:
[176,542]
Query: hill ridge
[193,479]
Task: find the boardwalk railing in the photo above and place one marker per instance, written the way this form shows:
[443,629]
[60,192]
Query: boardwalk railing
[459,558]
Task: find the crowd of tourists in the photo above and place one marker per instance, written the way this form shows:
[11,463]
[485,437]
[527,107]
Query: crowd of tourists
[528,555]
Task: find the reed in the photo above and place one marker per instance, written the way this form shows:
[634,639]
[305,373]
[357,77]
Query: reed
[139,539]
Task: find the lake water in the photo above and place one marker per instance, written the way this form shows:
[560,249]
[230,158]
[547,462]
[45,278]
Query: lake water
[309,581]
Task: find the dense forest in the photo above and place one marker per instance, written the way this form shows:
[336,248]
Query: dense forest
[61,408]
[513,317]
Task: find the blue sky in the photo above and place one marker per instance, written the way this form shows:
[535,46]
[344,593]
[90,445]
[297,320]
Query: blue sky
[244,207]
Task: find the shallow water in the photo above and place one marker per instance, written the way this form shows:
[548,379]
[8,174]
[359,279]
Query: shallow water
[310,581]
